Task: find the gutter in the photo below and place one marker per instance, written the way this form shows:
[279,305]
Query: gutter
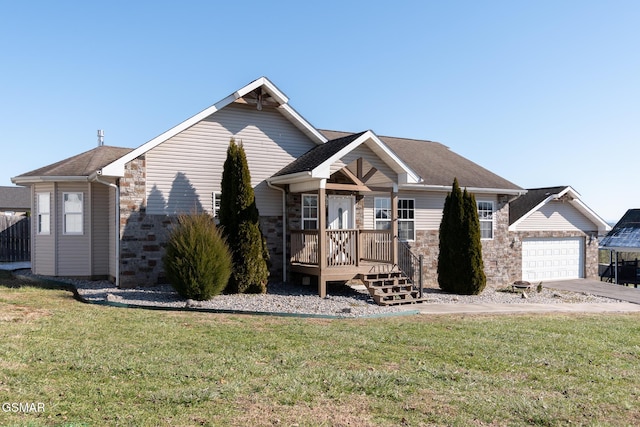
[475,190]
[95,177]
[284,229]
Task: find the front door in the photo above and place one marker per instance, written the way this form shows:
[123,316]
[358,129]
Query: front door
[340,212]
[339,220]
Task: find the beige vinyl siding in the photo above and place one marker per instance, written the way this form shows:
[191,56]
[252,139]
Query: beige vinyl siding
[76,260]
[557,216]
[100,249]
[43,257]
[428,208]
[183,171]
[385,174]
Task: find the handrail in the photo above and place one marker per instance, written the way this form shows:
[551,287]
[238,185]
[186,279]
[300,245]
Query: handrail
[411,265]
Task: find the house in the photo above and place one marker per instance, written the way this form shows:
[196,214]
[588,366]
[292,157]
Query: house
[333,205]
[14,200]
[624,239]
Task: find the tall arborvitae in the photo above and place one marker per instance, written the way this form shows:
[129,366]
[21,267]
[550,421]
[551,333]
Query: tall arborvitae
[474,277]
[240,222]
[449,276]
[460,265]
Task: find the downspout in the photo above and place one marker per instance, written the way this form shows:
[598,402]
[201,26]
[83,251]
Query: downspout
[96,178]
[284,229]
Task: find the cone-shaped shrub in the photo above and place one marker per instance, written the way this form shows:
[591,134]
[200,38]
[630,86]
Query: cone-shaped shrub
[240,222]
[473,267]
[449,274]
[197,260]
[460,265]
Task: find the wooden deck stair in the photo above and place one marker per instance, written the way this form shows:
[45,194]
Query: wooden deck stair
[390,288]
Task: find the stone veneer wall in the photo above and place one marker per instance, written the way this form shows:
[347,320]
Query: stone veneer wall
[502,255]
[144,236]
[502,260]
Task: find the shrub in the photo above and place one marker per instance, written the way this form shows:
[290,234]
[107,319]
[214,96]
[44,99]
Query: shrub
[460,265]
[240,222]
[197,259]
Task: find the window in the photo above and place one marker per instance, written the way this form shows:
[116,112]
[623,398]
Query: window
[382,213]
[44,213]
[215,201]
[309,212]
[485,215]
[406,224]
[72,206]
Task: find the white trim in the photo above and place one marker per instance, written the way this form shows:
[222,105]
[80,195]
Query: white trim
[39,213]
[65,213]
[493,218]
[37,179]
[303,218]
[474,190]
[375,212]
[413,220]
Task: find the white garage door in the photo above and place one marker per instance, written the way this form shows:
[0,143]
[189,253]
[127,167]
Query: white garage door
[552,259]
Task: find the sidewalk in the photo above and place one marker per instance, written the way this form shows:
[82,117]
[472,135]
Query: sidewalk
[612,307]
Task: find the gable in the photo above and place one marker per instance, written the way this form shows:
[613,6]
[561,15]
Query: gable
[184,171]
[557,216]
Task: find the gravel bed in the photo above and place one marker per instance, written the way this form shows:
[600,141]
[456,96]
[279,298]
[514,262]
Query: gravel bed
[342,301]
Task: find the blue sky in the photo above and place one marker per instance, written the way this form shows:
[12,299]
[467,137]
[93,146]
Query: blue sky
[543,93]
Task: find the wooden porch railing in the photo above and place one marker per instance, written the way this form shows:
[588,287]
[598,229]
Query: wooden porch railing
[343,247]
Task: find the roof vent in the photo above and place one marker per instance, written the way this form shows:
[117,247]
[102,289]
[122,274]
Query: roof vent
[100,137]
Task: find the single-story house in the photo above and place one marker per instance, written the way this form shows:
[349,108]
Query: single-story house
[623,238]
[14,201]
[333,205]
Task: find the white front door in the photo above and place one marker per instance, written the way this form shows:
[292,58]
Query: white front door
[340,212]
[340,217]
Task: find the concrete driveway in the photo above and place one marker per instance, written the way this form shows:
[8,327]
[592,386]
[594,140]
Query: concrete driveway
[596,287]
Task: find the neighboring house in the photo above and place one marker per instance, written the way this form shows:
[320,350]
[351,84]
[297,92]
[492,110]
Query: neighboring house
[15,200]
[332,204]
[623,238]
[557,234]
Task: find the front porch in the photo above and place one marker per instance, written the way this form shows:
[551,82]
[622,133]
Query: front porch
[345,254]
[387,268]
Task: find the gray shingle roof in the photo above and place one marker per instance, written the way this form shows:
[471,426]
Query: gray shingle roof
[625,234]
[317,155]
[15,198]
[436,164]
[523,204]
[83,164]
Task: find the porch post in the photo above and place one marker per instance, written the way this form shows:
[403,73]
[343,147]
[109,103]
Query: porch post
[394,223]
[322,239]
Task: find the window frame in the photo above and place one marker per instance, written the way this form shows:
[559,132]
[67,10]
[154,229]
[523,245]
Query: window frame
[484,220]
[411,220]
[216,201]
[68,214]
[41,215]
[377,221]
[308,209]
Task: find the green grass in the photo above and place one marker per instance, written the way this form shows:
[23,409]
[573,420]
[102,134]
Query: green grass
[97,365]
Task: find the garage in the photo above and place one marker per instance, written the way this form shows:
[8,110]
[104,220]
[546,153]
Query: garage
[552,258]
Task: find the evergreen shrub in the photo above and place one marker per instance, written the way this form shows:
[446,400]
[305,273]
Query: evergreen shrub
[197,261]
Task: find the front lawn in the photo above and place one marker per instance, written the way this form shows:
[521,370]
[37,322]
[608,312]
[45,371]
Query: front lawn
[97,365]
